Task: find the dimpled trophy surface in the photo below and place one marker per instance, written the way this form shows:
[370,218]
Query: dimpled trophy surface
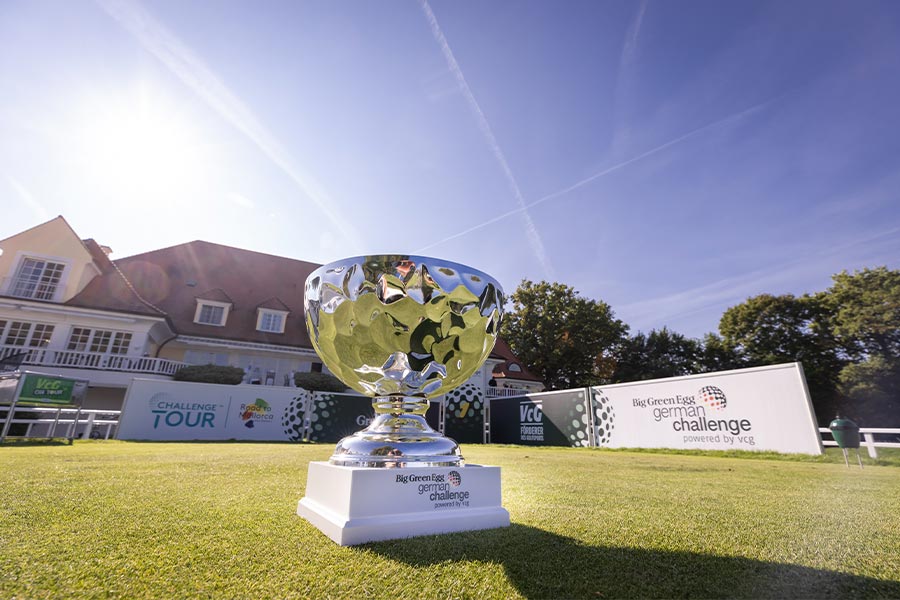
[401,329]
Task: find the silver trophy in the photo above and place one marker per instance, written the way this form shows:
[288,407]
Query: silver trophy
[401,329]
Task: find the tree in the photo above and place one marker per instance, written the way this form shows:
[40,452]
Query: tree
[873,390]
[562,337]
[662,353]
[864,317]
[769,329]
[717,355]
[864,312]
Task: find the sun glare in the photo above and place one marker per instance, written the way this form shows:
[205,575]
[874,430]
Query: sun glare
[141,147]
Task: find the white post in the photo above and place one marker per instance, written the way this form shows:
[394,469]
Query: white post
[486,431]
[88,427]
[592,426]
[52,431]
[870,445]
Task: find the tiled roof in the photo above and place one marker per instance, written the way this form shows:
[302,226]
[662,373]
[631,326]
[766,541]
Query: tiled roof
[274,304]
[97,254]
[216,295]
[174,278]
[111,290]
[506,369]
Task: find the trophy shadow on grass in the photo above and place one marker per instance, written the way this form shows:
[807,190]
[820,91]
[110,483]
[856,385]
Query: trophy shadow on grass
[541,564]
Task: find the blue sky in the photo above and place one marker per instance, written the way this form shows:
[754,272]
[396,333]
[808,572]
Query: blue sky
[671,158]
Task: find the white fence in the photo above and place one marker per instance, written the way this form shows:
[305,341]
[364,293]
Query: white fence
[867,435]
[48,357]
[495,392]
[66,422]
[102,424]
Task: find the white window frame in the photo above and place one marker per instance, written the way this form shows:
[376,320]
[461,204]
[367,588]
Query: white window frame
[19,264]
[263,313]
[94,343]
[29,341]
[225,306]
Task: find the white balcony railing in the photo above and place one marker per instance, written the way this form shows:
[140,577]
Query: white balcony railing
[495,392]
[47,357]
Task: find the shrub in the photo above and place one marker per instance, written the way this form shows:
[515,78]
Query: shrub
[210,374]
[319,382]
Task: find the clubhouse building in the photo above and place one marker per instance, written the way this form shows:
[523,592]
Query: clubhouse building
[67,308]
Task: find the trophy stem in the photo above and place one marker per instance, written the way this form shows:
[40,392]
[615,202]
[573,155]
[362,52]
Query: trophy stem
[399,436]
[398,405]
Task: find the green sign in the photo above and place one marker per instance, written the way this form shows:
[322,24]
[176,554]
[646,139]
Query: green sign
[42,389]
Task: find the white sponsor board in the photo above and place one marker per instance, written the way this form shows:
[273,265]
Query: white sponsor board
[175,410]
[763,408]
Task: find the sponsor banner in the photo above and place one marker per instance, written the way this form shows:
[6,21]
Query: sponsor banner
[433,415]
[335,416]
[47,389]
[464,414]
[174,410]
[548,419]
[764,408]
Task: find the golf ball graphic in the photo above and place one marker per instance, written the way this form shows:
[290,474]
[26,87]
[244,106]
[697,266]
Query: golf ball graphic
[713,397]
[604,418]
[294,418]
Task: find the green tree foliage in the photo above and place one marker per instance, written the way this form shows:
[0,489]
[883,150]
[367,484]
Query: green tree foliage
[767,330]
[209,374]
[562,337]
[864,312]
[717,355]
[661,353]
[864,317]
[319,382]
[873,389]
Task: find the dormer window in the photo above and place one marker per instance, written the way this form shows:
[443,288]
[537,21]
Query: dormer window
[37,279]
[211,313]
[270,321]
[514,368]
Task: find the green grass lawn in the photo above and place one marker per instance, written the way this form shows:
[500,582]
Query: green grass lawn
[119,519]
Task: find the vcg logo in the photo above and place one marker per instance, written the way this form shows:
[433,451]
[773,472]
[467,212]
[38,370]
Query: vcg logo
[531,421]
[530,412]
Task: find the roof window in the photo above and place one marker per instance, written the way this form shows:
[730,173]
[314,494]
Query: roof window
[270,321]
[211,313]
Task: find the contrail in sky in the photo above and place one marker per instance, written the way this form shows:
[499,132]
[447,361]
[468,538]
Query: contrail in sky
[607,171]
[194,73]
[28,199]
[534,238]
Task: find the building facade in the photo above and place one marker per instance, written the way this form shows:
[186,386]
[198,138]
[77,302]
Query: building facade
[66,308]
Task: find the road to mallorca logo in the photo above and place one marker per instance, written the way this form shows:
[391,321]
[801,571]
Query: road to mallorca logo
[258,412]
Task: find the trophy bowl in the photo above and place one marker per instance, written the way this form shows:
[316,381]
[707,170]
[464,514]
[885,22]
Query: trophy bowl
[401,329]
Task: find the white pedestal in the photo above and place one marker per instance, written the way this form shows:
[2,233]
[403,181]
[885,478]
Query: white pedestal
[355,505]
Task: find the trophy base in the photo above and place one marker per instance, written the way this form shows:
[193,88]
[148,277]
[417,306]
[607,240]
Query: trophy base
[355,505]
[391,441]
